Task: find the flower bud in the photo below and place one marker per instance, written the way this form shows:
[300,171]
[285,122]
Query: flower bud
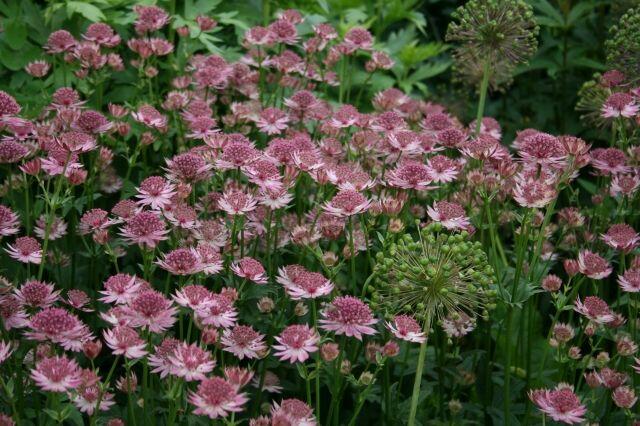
[329,351]
[92,348]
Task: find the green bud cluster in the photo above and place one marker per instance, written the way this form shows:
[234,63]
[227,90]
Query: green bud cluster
[437,274]
[502,32]
[623,45]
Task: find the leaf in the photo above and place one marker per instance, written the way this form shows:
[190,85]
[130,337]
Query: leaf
[552,14]
[15,33]
[428,70]
[579,10]
[89,11]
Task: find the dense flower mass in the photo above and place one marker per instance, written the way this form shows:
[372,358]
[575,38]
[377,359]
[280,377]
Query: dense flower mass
[208,221]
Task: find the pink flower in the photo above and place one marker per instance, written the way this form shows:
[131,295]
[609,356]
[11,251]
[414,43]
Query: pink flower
[238,376]
[150,309]
[451,215]
[237,203]
[188,167]
[358,38]
[593,265]
[250,269]
[533,193]
[9,221]
[156,192]
[218,311]
[125,341]
[57,228]
[193,296]
[56,374]
[60,41]
[94,220]
[620,105]
[442,169]
[630,280]
[299,283]
[264,173]
[209,257]
[624,397]
[12,313]
[160,358]
[292,411]
[190,362]
[594,309]
[561,404]
[621,237]
[411,175]
[37,294]
[145,229]
[86,399]
[458,324]
[182,261]
[25,250]
[12,151]
[59,326]
[348,315]
[407,328]
[272,121]
[6,349]
[150,117]
[120,289]
[150,18]
[347,203]
[542,149]
[216,397]
[244,342]
[609,161]
[296,342]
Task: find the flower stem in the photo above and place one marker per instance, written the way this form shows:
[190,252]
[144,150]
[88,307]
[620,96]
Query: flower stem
[415,395]
[484,86]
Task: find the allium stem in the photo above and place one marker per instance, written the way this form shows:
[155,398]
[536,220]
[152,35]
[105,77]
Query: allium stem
[415,395]
[484,86]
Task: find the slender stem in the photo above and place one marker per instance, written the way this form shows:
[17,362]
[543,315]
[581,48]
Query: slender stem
[484,86]
[415,395]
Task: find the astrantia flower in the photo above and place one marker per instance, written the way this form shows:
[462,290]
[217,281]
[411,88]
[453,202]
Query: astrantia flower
[150,309]
[272,121]
[125,341]
[534,193]
[79,300]
[624,397]
[87,398]
[159,360]
[57,228]
[12,313]
[450,215]
[593,265]
[296,342]
[594,309]
[12,151]
[150,18]
[145,229]
[630,281]
[216,397]
[56,374]
[292,412]
[25,250]
[60,41]
[458,324]
[442,169]
[237,203]
[182,261]
[620,105]
[149,116]
[347,203]
[209,258]
[244,342]
[348,315]
[407,328]
[411,175]
[58,326]
[37,294]
[191,362]
[188,167]
[9,221]
[238,376]
[94,220]
[621,237]
[218,311]
[299,283]
[250,269]
[438,274]
[561,404]
[542,149]
[264,173]
[609,161]
[120,289]
[156,192]
[193,296]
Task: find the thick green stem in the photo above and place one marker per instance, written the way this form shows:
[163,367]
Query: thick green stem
[415,395]
[484,86]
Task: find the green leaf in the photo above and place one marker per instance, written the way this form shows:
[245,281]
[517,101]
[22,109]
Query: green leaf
[551,13]
[428,70]
[89,11]
[15,33]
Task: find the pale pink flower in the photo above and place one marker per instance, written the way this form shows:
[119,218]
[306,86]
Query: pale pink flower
[238,376]
[250,269]
[57,228]
[411,174]
[181,261]
[125,341]
[296,342]
[217,312]
[593,265]
[405,327]
[120,289]
[193,296]
[271,383]
[216,397]
[25,250]
[458,324]
[561,404]
[237,203]
[450,215]
[630,280]
[188,167]
[542,149]
[533,193]
[594,309]
[347,203]
[56,374]
[272,121]
[150,18]
[442,169]
[12,313]
[191,362]
[348,315]
[264,173]
[59,326]
[150,117]
[243,341]
[292,412]
[156,192]
[86,399]
[620,105]
[145,229]
[150,309]
[209,258]
[159,360]
[299,283]
[37,294]
[609,161]
[621,237]
[9,221]
[94,220]
[624,397]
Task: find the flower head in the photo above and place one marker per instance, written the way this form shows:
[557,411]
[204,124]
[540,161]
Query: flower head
[216,397]
[299,283]
[125,341]
[190,362]
[296,342]
[407,328]
[56,374]
[561,404]
[348,315]
[243,341]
